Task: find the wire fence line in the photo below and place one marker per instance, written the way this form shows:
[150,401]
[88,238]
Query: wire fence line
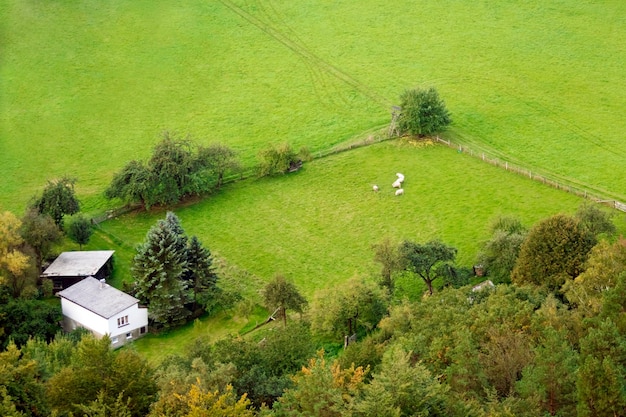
[538,176]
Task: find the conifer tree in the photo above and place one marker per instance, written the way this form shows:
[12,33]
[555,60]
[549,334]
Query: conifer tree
[200,274]
[158,271]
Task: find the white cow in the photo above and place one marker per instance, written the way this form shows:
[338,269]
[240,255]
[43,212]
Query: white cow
[400,177]
[397,184]
[400,191]
[375,188]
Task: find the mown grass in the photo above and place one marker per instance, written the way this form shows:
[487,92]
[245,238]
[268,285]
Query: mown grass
[87,87]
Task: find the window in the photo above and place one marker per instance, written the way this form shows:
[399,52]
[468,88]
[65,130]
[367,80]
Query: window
[122,321]
[129,335]
[114,340]
[142,330]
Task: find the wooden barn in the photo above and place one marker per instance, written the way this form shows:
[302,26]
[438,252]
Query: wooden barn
[72,267]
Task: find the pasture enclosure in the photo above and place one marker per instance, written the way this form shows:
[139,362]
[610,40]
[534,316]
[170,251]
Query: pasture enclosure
[317,226]
[88,86]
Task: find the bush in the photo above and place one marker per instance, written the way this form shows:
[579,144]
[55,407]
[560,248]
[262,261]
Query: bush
[277,159]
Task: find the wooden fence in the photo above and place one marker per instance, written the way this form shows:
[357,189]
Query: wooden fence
[538,176]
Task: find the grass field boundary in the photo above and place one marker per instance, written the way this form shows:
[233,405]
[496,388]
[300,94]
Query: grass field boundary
[571,187]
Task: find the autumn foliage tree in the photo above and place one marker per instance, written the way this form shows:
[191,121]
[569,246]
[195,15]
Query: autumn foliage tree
[15,265]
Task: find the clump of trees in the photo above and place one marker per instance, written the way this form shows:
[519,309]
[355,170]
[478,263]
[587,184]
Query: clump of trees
[174,275]
[423,113]
[176,169]
[280,159]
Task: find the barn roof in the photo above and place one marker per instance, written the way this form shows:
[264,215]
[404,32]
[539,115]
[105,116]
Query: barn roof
[98,297]
[78,264]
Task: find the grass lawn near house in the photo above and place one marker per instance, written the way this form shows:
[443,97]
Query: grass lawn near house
[156,347]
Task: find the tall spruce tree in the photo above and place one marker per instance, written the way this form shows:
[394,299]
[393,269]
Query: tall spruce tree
[158,269]
[200,274]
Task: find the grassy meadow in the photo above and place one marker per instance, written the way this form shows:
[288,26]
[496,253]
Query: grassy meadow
[88,86]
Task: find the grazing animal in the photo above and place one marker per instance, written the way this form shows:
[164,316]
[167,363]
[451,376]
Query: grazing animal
[400,191]
[400,177]
[396,184]
[375,188]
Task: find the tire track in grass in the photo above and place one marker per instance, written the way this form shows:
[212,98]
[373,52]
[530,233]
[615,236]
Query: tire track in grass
[324,88]
[308,56]
[329,94]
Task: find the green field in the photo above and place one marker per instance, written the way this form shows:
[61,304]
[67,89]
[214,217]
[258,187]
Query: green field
[87,86]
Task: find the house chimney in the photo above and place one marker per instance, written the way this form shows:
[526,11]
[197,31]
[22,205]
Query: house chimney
[102,282]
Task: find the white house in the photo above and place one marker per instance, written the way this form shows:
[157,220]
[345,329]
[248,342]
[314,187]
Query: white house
[102,309]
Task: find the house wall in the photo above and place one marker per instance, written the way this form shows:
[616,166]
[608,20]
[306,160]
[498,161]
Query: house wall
[76,316]
[136,327]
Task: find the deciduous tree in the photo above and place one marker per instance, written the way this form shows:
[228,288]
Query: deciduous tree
[276,159]
[387,255]
[423,112]
[341,311]
[594,220]
[14,263]
[426,260]
[401,388]
[322,389]
[555,250]
[20,384]
[135,182]
[175,170]
[98,375]
[282,295]
[58,199]
[499,254]
[606,262]
[80,230]
[220,160]
[40,233]
[23,319]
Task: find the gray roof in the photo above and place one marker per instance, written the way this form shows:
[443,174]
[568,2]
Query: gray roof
[98,297]
[78,264]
